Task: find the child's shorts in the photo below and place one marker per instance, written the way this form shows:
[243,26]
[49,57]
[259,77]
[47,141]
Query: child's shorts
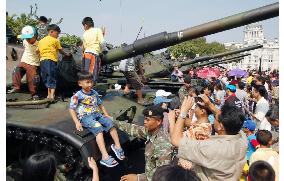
[92,63]
[97,123]
[48,69]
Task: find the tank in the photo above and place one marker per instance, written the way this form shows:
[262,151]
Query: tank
[33,127]
[157,67]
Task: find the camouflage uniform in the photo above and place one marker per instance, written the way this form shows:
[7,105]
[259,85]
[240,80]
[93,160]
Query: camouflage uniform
[182,92]
[42,31]
[157,150]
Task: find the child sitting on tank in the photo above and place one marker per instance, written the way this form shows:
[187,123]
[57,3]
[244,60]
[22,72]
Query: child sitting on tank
[84,110]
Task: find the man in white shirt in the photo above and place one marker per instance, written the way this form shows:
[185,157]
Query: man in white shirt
[262,107]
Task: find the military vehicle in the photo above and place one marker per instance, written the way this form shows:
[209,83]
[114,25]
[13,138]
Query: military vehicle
[166,66]
[31,130]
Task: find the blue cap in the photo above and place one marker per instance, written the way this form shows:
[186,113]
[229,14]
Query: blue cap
[161,99]
[231,87]
[249,124]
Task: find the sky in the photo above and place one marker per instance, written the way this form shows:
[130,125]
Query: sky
[123,18]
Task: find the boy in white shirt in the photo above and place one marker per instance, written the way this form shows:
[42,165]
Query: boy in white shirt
[29,62]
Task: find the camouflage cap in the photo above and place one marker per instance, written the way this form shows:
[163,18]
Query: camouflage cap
[154,111]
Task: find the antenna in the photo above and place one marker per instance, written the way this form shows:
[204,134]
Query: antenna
[140,29]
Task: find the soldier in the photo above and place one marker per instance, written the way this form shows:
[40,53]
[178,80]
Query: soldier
[132,69]
[158,147]
[183,91]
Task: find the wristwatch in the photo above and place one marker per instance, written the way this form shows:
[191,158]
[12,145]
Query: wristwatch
[182,115]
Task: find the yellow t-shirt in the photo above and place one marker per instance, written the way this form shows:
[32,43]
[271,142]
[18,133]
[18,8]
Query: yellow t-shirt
[30,55]
[249,79]
[245,170]
[92,40]
[48,48]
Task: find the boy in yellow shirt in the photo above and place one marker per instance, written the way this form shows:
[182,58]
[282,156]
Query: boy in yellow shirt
[93,39]
[49,47]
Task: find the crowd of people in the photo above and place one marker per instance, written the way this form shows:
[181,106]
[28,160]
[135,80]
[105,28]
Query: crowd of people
[218,130]
[224,129]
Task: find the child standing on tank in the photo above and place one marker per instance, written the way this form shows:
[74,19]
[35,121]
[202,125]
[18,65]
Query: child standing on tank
[84,110]
[29,62]
[93,39]
[48,48]
[42,27]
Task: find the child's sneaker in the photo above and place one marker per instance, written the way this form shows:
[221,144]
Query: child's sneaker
[35,97]
[13,90]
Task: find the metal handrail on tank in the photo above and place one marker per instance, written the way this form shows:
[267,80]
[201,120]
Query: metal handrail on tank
[223,60]
[229,61]
[205,58]
[164,39]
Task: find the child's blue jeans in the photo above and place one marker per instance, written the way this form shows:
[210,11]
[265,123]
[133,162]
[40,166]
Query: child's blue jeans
[97,123]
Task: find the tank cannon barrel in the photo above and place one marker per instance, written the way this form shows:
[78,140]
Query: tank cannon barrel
[229,61]
[164,39]
[223,60]
[205,58]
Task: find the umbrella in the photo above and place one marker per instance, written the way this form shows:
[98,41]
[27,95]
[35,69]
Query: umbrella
[208,72]
[238,73]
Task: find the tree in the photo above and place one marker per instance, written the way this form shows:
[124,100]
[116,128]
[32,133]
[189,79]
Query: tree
[16,23]
[196,46]
[73,40]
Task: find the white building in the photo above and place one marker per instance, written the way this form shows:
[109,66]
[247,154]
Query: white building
[269,53]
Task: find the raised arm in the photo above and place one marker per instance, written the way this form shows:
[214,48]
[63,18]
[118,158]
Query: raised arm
[177,134]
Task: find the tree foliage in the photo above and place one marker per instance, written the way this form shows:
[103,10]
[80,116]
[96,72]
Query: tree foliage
[196,46]
[67,39]
[16,23]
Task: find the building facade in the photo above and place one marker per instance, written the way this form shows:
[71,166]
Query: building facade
[269,53]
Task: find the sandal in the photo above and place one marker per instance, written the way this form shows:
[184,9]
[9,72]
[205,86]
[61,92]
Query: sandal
[119,153]
[109,162]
